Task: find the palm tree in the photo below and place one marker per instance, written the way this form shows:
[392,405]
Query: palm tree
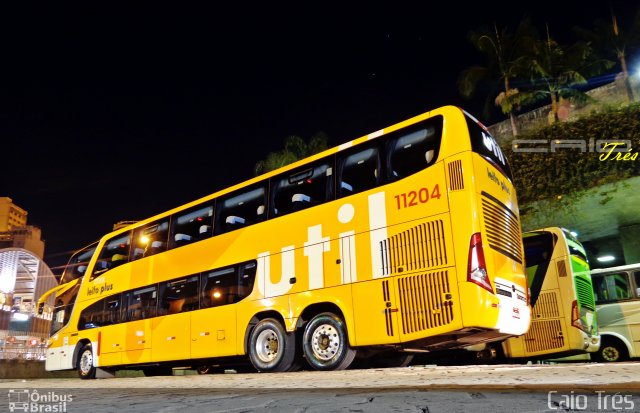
[614,41]
[503,52]
[295,148]
[557,72]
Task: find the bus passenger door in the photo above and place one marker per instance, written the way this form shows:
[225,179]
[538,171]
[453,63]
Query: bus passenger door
[111,345]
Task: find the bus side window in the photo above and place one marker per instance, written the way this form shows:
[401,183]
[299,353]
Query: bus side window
[636,278]
[112,309]
[358,171]
[612,287]
[150,239]
[115,252]
[92,316]
[217,286]
[414,149]
[303,188]
[141,303]
[192,225]
[241,208]
[178,296]
[246,279]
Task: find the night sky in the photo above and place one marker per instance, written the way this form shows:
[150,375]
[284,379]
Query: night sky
[110,114]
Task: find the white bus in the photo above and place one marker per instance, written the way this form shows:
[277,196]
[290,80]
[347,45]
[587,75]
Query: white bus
[617,292]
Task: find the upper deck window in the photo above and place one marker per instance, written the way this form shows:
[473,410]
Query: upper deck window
[150,239]
[241,208]
[358,171]
[303,188]
[538,250]
[115,252]
[486,146]
[192,225]
[413,149]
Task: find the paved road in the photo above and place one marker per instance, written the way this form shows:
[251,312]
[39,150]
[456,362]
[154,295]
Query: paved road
[537,388]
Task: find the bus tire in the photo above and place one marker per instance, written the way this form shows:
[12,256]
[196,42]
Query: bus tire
[325,343]
[611,350]
[86,370]
[271,349]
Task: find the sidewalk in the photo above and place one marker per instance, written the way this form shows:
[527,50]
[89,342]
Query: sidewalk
[584,376]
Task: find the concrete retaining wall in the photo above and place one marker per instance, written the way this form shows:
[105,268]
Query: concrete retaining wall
[30,369]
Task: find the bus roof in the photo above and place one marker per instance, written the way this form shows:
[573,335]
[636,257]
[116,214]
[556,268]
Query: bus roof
[444,110]
[627,267]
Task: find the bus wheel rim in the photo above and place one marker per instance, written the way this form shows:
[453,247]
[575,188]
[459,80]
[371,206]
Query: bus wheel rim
[610,354]
[325,342]
[267,346]
[86,362]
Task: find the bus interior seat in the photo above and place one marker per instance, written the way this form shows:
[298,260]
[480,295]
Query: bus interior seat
[117,259]
[233,222]
[300,201]
[155,247]
[135,312]
[101,265]
[182,239]
[204,231]
[429,155]
[260,211]
[175,306]
[346,188]
[138,253]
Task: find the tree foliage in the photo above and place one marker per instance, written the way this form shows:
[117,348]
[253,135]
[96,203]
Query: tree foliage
[553,175]
[295,148]
[557,71]
[503,52]
[615,41]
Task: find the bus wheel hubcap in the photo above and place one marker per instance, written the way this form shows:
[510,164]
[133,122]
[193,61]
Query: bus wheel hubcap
[325,342]
[610,354]
[267,346]
[86,362]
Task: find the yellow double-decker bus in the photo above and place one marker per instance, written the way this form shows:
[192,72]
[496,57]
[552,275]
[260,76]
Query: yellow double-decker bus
[406,239]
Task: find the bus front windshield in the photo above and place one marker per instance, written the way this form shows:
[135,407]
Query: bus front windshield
[78,263]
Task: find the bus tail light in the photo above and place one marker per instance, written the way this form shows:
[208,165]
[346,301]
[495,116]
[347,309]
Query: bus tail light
[477,268]
[576,321]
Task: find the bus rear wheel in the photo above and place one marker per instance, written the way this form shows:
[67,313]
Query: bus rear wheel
[86,370]
[271,349]
[325,343]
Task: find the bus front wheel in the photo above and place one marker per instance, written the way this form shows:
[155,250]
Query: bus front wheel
[325,343]
[86,370]
[611,350]
[271,349]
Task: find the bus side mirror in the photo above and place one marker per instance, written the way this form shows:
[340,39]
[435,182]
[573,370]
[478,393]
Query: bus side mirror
[40,308]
